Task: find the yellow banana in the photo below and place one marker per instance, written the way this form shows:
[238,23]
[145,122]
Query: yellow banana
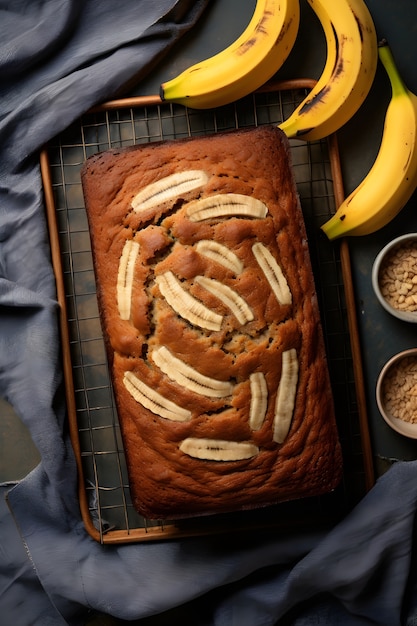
[348,73]
[393,177]
[243,66]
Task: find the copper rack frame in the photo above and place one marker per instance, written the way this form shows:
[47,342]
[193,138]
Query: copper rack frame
[171,531]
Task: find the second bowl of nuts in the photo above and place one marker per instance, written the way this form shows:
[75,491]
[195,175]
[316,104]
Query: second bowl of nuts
[396,392]
[394,277]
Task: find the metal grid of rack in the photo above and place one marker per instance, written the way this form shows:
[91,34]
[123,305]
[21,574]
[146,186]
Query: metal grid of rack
[104,480]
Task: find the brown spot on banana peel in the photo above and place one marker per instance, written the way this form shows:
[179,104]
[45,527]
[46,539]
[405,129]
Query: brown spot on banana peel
[362,27]
[338,69]
[259,28]
[245,47]
[284,31]
[405,167]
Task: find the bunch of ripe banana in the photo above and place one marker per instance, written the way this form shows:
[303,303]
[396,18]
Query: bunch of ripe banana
[243,66]
[263,48]
[347,77]
[392,179]
[348,73]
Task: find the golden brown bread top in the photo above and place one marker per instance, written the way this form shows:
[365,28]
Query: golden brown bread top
[208,303]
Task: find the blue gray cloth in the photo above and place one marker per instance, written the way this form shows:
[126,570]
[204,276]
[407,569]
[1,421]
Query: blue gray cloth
[57,59]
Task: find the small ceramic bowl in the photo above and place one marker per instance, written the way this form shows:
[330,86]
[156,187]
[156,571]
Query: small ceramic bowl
[396,392]
[394,277]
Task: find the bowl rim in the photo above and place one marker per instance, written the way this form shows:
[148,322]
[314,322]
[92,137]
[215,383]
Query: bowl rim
[407,429]
[406,316]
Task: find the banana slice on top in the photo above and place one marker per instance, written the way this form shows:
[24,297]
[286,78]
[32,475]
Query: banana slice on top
[285,402]
[125,278]
[220,254]
[188,377]
[154,401]
[239,307]
[273,273]
[259,400]
[187,307]
[168,188]
[225,205]
[218,450]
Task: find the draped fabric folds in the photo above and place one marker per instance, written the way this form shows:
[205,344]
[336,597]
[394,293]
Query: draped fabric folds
[57,59]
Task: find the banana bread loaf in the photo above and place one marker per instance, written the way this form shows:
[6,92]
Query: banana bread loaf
[211,321]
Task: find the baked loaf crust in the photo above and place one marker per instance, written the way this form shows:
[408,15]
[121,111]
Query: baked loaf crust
[211,321]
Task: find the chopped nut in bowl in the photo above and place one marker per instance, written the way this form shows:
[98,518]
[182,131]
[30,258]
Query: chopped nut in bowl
[394,277]
[396,393]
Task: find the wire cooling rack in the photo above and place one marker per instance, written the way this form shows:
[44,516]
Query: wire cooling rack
[104,488]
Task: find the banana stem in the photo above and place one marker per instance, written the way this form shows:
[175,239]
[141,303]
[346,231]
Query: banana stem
[386,57]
